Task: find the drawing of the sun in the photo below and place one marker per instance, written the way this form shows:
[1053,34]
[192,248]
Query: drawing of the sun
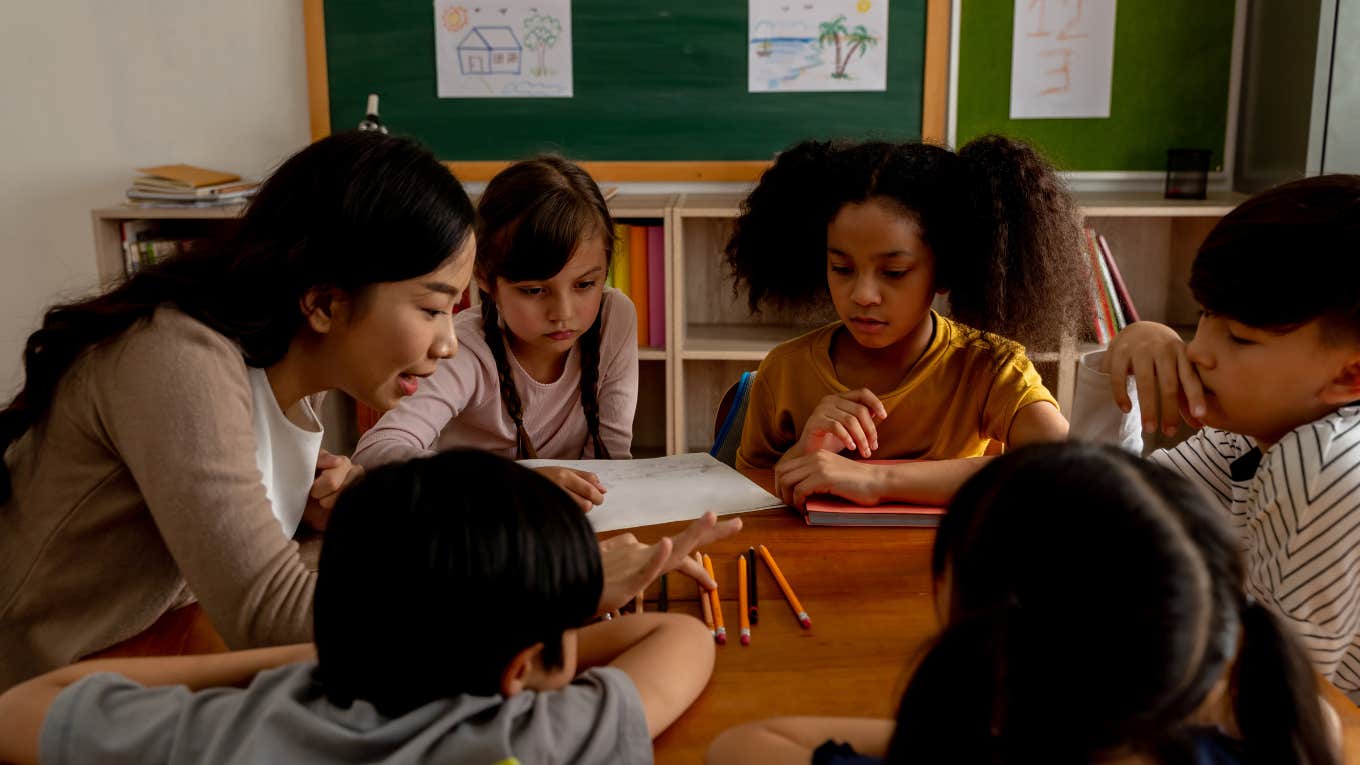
[863,6]
[457,17]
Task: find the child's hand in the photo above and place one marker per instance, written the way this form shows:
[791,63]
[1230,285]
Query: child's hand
[1166,380]
[844,421]
[824,472]
[333,474]
[630,565]
[584,488]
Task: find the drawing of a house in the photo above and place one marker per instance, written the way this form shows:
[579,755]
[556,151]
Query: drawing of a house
[490,50]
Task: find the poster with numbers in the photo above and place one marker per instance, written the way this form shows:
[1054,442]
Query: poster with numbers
[1062,58]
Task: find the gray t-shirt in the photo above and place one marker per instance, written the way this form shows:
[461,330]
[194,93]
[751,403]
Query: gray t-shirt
[283,717]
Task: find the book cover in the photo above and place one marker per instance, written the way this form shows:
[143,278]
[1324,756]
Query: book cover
[637,288]
[1106,283]
[183,177]
[1103,319]
[620,266]
[1120,288]
[656,287]
[828,510]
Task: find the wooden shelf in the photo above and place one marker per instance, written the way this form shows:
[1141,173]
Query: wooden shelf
[138,212]
[1123,204]
[651,354]
[627,206]
[709,205]
[735,342]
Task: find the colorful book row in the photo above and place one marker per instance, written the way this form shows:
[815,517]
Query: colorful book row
[1112,307]
[638,269]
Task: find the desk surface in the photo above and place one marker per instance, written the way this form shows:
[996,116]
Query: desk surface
[868,592]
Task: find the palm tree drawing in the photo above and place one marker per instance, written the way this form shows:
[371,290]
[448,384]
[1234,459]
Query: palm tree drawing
[834,32]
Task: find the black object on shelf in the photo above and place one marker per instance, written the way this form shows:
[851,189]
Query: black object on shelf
[1187,173]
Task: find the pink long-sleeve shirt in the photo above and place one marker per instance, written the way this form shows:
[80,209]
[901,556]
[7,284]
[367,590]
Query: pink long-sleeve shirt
[460,404]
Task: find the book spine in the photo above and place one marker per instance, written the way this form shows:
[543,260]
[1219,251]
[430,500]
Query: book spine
[621,262]
[1125,299]
[1098,306]
[1107,283]
[637,253]
[656,286]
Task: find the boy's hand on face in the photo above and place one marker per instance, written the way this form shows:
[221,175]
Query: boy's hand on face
[629,565]
[583,487]
[846,421]
[1166,381]
[824,472]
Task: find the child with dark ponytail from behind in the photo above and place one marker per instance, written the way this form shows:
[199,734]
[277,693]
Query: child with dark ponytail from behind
[1114,630]
[882,228]
[549,367]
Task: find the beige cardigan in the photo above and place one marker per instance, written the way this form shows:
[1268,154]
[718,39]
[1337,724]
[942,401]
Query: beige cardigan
[137,493]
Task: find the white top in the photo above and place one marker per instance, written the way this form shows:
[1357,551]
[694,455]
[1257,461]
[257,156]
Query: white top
[460,404]
[284,451]
[1297,514]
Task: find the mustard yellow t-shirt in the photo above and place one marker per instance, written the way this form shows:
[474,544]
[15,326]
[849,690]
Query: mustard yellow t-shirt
[962,394]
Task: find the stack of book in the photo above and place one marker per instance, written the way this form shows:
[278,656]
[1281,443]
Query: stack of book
[1111,306]
[189,186]
[639,271]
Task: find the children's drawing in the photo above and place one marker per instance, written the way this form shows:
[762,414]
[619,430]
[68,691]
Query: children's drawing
[821,45]
[1062,58]
[481,50]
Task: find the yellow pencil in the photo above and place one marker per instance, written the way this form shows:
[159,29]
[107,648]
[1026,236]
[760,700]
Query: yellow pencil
[784,585]
[704,602]
[721,634]
[743,617]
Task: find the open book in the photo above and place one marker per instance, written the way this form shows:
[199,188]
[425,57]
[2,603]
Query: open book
[828,510]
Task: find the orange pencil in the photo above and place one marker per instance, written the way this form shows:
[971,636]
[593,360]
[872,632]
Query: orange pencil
[797,607]
[704,602]
[743,616]
[721,634]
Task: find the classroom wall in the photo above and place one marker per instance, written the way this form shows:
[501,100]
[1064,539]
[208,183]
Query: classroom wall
[92,89]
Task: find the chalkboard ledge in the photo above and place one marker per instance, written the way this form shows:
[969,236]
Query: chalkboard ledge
[624,172]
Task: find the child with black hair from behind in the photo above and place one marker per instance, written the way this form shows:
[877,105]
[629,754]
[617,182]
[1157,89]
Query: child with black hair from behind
[883,228]
[449,612]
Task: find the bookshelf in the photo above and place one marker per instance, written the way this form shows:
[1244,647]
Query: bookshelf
[710,336]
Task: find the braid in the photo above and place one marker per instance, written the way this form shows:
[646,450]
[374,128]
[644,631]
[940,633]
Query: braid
[590,379]
[491,326]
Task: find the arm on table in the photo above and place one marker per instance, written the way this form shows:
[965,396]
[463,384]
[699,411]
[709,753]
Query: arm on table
[669,657]
[24,707]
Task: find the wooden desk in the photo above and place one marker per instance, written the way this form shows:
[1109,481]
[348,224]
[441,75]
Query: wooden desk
[868,592]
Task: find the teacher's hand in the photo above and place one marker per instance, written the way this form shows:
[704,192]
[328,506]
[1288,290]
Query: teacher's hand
[630,565]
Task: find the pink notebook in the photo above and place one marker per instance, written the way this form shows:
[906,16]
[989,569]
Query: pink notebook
[829,510]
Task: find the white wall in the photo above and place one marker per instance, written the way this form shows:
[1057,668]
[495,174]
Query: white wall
[1342,154]
[90,89]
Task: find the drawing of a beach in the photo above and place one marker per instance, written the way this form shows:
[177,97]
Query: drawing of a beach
[818,45]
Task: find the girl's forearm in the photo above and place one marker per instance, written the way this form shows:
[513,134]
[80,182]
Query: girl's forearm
[928,482]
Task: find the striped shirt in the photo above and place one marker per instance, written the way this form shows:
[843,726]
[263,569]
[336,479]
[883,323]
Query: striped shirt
[1298,515]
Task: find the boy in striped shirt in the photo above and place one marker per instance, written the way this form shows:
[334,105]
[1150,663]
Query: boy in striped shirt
[1272,379]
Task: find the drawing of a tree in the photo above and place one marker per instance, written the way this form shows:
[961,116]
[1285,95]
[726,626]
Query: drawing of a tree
[831,32]
[541,33]
[834,32]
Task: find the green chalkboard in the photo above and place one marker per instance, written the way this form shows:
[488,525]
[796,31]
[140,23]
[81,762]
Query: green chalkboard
[653,80]
[1172,62]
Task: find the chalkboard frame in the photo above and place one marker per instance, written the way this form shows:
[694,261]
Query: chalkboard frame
[935,93]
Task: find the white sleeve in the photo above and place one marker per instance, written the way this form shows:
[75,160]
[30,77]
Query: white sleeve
[1095,417]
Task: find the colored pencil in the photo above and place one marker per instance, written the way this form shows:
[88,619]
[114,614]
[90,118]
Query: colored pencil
[721,634]
[663,600]
[751,594]
[705,603]
[784,585]
[743,616]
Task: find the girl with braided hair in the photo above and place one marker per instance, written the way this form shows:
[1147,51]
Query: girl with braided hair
[549,366]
